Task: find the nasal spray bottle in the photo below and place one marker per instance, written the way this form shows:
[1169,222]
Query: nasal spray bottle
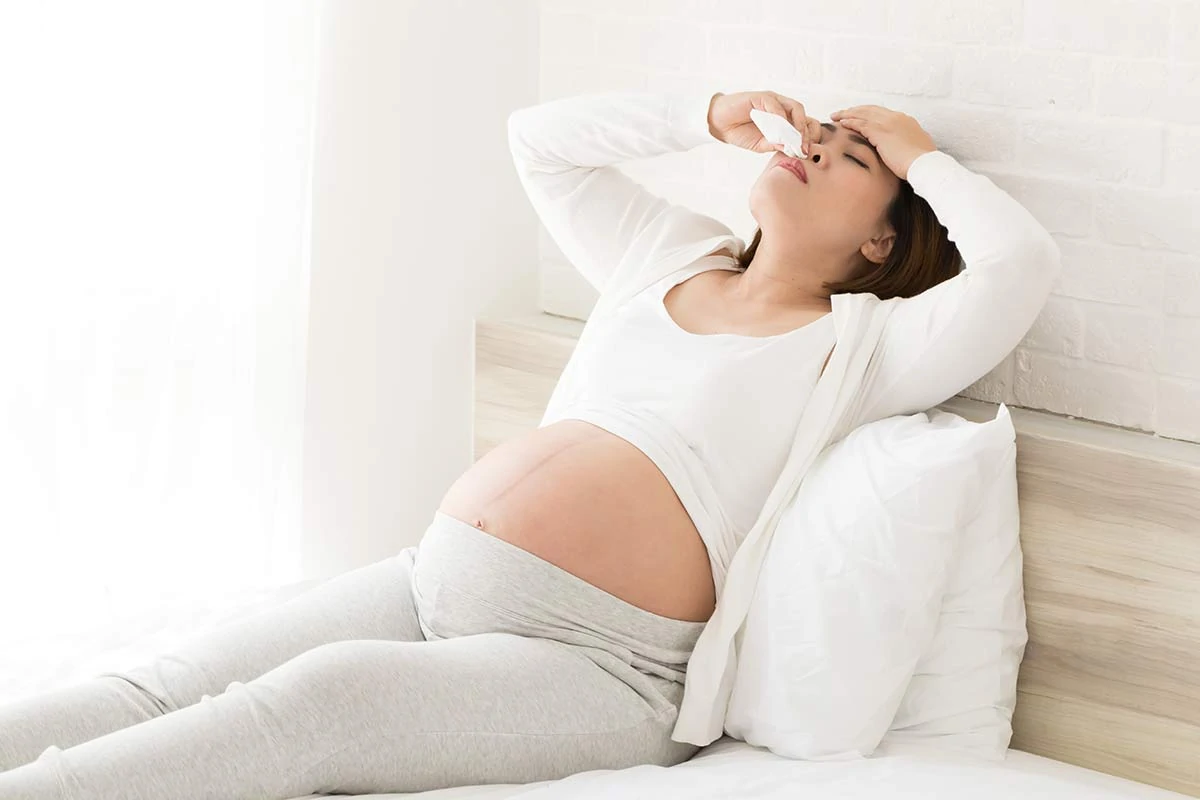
[777,130]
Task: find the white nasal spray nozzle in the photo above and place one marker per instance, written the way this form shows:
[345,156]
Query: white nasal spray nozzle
[777,130]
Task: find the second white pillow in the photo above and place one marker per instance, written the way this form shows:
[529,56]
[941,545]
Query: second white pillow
[850,594]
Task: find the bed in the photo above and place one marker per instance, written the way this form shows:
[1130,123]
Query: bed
[1109,691]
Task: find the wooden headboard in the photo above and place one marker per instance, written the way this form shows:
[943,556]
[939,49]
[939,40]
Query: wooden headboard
[1110,533]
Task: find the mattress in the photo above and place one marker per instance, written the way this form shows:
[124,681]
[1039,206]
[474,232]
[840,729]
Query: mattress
[726,768]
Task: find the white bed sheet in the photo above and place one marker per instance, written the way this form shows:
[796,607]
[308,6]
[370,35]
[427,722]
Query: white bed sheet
[726,768]
[729,768]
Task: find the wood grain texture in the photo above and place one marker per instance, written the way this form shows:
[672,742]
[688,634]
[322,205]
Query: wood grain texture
[1110,534]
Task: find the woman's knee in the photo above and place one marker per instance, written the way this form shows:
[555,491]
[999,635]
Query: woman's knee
[343,660]
[357,676]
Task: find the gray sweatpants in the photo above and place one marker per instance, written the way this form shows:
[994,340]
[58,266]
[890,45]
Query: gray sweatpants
[462,660]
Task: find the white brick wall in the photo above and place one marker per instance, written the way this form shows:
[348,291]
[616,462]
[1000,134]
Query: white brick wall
[1086,111]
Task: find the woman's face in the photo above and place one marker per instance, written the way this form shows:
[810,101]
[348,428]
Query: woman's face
[843,203]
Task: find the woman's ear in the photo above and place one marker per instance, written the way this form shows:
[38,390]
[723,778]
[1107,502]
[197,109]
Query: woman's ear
[877,249]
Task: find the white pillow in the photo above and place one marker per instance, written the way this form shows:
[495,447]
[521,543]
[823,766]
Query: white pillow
[851,591]
[964,691]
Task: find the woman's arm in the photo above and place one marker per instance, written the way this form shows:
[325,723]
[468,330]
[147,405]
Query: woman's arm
[565,152]
[941,341]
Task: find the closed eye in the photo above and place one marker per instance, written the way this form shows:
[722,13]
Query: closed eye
[854,137]
[856,161]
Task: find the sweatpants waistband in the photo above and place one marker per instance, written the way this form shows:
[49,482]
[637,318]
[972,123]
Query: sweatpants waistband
[468,581]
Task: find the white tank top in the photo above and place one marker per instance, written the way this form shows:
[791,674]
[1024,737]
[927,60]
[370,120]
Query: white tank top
[717,413]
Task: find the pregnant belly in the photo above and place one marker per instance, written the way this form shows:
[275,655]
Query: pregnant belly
[594,505]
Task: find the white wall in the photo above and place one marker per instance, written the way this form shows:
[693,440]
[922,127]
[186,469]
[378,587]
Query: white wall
[419,224]
[1087,113]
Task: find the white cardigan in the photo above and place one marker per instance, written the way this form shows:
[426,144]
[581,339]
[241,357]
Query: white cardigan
[895,356]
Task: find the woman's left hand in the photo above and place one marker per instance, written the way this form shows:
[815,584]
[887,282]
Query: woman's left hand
[897,137]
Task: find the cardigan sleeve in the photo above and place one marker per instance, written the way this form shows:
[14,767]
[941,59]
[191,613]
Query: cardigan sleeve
[939,342]
[566,151]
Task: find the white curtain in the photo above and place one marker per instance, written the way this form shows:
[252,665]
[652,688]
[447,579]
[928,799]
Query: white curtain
[155,162]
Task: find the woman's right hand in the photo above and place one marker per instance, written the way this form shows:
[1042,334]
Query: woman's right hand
[729,119]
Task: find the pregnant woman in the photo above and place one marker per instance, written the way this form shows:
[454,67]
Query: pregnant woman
[544,625]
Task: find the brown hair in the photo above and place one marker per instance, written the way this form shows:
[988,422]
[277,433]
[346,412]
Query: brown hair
[922,255]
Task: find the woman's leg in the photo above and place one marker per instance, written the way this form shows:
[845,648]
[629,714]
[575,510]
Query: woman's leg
[372,602]
[359,717]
